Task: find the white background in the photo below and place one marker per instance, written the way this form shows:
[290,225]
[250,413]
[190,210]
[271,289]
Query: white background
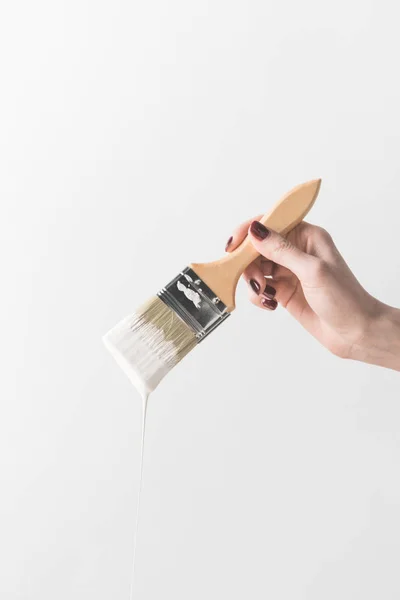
[134,137]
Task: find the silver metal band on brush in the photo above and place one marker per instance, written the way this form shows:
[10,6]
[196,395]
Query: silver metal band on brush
[194,302]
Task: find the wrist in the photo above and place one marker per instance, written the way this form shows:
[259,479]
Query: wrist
[380,345]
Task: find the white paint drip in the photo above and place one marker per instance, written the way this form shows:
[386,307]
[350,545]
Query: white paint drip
[146,353]
[135,350]
[146,357]
[136,530]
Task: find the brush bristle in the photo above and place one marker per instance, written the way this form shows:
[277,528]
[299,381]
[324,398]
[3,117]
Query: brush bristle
[149,343]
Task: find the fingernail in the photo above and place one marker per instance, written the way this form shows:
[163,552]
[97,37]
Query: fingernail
[228,243]
[259,230]
[255,286]
[271,304]
[269,291]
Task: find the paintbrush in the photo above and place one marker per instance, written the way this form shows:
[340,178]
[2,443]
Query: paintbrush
[149,343]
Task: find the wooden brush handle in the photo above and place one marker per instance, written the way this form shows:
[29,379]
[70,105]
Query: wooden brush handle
[223,275]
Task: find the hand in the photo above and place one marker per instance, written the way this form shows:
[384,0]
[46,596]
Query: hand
[306,274]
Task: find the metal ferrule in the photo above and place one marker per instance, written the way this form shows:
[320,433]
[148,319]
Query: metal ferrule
[194,302]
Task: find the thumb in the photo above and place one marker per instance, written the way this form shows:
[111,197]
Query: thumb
[280,250]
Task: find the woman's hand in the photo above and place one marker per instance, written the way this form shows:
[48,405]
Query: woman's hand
[307,275]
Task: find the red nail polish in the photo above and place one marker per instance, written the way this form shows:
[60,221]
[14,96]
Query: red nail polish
[255,286]
[228,243]
[267,303]
[259,230]
[269,291]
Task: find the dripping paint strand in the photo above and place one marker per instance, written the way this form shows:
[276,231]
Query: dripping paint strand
[145,398]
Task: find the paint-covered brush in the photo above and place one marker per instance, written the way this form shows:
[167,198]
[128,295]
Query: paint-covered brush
[149,343]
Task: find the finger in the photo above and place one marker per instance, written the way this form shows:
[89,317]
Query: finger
[262,297]
[257,282]
[267,267]
[280,290]
[262,301]
[268,304]
[289,294]
[271,269]
[254,277]
[281,251]
[238,235]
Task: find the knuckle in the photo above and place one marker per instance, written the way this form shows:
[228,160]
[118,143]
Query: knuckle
[338,350]
[282,245]
[304,230]
[320,270]
[323,236]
